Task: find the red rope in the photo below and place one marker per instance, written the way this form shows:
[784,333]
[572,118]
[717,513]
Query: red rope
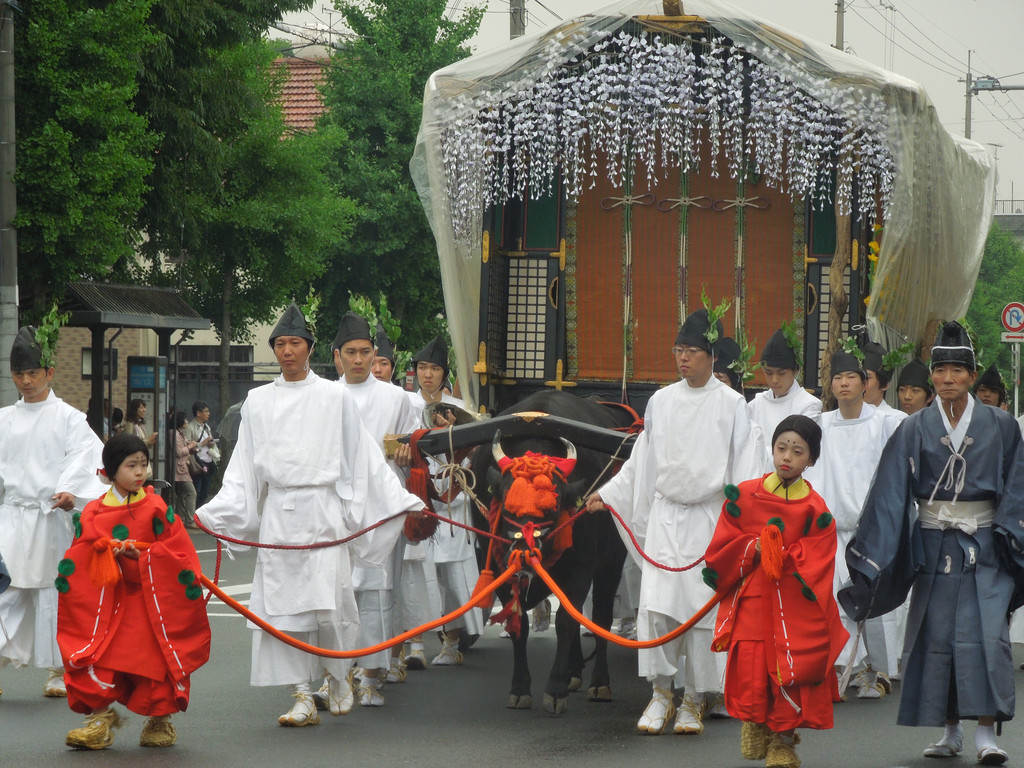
[314,545]
[644,555]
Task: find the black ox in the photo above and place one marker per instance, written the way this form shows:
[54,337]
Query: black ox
[594,558]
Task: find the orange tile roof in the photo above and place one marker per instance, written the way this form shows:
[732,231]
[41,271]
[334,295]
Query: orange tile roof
[300,96]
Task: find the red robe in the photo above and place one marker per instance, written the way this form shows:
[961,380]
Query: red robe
[138,641]
[783,637]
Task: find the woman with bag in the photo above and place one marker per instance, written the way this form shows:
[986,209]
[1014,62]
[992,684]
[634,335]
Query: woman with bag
[207,453]
[184,459]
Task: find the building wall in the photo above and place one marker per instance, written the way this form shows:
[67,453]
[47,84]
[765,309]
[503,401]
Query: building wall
[68,381]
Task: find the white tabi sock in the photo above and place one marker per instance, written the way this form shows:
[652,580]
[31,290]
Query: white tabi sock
[953,735]
[984,737]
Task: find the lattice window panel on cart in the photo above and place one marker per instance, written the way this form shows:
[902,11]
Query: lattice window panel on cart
[497,313]
[527,297]
[824,304]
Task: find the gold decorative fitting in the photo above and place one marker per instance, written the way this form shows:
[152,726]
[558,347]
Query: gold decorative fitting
[559,382]
[480,366]
[560,255]
[486,250]
[854,254]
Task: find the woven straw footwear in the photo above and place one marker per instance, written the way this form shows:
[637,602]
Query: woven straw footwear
[416,659]
[658,713]
[396,672]
[97,733]
[754,738]
[302,713]
[158,732]
[370,695]
[449,656]
[947,746]
[54,686]
[690,716]
[782,751]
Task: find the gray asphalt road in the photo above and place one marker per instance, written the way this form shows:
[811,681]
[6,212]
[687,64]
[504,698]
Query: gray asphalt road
[440,717]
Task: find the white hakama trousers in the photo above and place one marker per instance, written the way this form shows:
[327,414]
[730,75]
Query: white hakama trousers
[704,670]
[456,581]
[376,624]
[418,596]
[28,628]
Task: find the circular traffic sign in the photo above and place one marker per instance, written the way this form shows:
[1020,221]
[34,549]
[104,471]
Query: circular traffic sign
[1013,317]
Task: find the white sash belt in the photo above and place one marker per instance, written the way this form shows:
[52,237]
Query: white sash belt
[967,516]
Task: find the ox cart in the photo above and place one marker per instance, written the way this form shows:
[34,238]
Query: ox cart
[586,184]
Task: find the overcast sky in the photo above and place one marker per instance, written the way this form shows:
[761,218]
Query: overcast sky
[924,40]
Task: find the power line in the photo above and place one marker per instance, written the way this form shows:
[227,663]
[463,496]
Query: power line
[549,10]
[1007,125]
[908,52]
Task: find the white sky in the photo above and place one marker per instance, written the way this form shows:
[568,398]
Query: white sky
[930,40]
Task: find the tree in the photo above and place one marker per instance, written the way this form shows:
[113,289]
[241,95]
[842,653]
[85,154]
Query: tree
[999,283]
[84,154]
[374,92]
[256,224]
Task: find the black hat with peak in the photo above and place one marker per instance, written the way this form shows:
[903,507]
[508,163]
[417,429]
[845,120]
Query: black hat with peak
[778,354]
[728,353]
[353,326]
[26,353]
[435,352]
[846,362]
[953,345]
[694,331]
[914,374]
[292,323]
[992,379]
[383,344]
[874,354]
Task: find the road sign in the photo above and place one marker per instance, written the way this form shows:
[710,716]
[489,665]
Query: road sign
[1018,337]
[1013,317]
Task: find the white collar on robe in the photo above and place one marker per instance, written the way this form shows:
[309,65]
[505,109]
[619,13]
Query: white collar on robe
[770,393]
[867,410]
[956,436]
[310,379]
[51,398]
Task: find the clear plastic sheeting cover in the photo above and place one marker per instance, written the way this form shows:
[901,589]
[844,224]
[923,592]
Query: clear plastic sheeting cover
[937,190]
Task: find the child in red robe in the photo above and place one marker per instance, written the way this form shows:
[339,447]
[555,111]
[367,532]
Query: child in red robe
[131,621]
[772,557]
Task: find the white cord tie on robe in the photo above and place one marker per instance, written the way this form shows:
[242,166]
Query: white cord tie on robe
[955,472]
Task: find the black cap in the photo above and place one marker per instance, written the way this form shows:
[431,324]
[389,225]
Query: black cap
[352,326]
[383,344]
[914,374]
[778,354]
[292,323]
[992,379]
[953,345]
[26,353]
[874,353]
[846,362]
[728,353]
[435,352]
[692,333]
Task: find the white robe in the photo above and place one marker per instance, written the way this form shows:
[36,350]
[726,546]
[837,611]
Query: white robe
[305,470]
[670,493]
[45,448]
[767,411]
[850,450]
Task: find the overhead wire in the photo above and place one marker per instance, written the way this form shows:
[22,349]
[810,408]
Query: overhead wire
[902,48]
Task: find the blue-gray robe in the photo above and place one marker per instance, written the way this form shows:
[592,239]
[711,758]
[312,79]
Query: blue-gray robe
[956,660]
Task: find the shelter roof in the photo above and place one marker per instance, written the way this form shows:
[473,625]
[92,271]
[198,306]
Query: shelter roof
[130,306]
[300,97]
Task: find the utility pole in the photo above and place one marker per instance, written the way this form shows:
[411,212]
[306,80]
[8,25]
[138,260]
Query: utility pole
[8,206]
[516,19]
[840,12]
[967,109]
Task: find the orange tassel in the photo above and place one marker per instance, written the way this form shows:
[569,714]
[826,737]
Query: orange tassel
[484,602]
[771,552]
[103,568]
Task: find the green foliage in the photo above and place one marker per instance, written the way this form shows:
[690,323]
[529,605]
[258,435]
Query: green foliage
[374,93]
[792,339]
[898,356]
[742,365]
[1000,281]
[850,345]
[84,153]
[47,334]
[380,313]
[714,313]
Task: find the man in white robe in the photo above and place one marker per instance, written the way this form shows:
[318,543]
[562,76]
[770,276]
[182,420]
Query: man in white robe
[306,471]
[852,439]
[49,460]
[697,438]
[452,549]
[784,396]
[385,410]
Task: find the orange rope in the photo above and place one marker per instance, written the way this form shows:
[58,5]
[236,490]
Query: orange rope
[514,565]
[534,557]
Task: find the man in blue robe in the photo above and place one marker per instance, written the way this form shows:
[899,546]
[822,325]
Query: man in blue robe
[946,514]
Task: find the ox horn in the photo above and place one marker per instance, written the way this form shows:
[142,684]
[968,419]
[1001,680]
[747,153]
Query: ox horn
[570,449]
[496,451]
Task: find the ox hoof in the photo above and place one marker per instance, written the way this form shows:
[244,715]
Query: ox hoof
[575,683]
[599,693]
[520,702]
[555,706]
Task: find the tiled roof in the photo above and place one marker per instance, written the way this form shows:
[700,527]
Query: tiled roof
[132,306]
[302,101]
